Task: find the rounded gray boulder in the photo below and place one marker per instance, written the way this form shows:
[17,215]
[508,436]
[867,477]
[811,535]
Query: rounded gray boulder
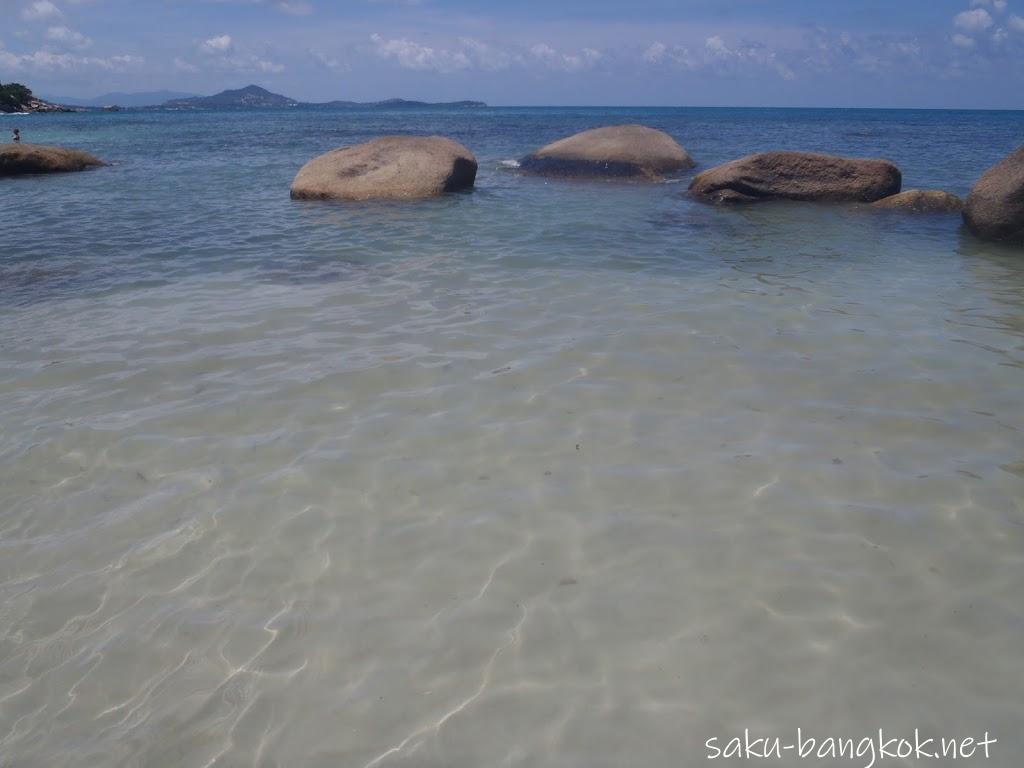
[995,208]
[617,151]
[388,168]
[24,159]
[921,201]
[797,176]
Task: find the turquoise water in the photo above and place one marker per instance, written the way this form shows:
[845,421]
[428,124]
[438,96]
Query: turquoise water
[200,193]
[546,473]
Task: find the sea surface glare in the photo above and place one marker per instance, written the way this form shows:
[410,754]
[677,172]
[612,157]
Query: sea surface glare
[557,474]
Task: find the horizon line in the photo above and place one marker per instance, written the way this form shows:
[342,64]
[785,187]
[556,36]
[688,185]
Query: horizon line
[71,103]
[488,105]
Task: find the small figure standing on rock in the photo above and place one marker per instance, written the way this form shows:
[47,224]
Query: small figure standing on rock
[16,135]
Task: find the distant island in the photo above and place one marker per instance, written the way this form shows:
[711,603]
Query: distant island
[17,98]
[398,103]
[120,99]
[253,96]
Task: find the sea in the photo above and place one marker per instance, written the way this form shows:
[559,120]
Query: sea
[547,473]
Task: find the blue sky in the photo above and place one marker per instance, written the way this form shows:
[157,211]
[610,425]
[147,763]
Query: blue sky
[918,53]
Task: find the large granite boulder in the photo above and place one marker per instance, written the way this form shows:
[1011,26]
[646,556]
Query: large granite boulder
[616,151]
[921,201]
[995,208]
[388,168]
[22,159]
[797,176]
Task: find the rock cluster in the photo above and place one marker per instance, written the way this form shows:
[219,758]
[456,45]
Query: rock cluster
[408,167]
[413,167]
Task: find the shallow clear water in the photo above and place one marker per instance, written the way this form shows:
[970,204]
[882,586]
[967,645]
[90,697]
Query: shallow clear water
[541,474]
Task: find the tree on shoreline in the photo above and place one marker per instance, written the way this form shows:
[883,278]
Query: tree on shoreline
[13,96]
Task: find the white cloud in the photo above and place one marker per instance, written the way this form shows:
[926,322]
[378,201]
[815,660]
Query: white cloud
[47,61]
[565,62]
[222,56]
[217,45]
[984,32]
[8,60]
[68,37]
[977,20]
[40,10]
[654,53]
[717,46]
[412,55]
[676,55]
[876,54]
[719,55]
[327,61]
[469,53]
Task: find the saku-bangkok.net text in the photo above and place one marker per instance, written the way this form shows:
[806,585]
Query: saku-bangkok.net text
[869,750]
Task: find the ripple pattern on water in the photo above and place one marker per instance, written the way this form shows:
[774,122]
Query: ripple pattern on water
[537,475]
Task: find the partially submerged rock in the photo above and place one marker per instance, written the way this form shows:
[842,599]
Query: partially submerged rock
[995,208]
[921,201]
[617,151]
[388,168]
[22,159]
[797,176]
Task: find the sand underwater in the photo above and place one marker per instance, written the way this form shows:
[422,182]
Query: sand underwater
[542,474]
